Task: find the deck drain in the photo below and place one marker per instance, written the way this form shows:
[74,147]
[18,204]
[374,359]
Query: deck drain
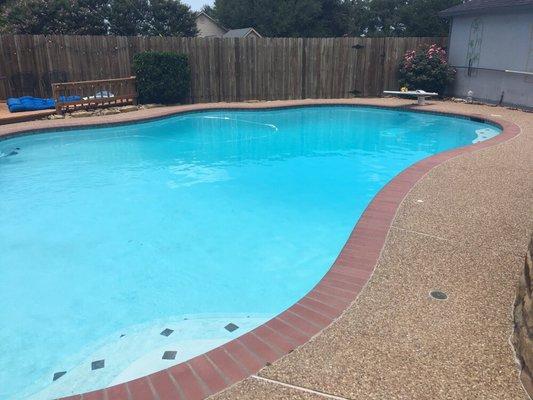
[438,295]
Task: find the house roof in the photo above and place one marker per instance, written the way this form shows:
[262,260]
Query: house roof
[240,33]
[201,13]
[486,6]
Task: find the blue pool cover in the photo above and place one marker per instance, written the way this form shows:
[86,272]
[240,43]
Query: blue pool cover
[29,103]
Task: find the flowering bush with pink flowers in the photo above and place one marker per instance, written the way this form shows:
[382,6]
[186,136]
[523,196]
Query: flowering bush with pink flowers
[426,69]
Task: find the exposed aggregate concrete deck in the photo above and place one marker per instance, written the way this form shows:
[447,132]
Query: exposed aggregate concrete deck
[467,237]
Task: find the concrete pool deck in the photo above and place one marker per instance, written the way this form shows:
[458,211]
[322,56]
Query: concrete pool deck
[7,117]
[462,229]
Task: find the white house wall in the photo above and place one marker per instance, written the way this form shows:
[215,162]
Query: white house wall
[207,28]
[498,42]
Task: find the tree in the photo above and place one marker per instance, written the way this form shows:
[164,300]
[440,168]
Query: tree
[334,17]
[85,17]
[383,18]
[209,10]
[172,18]
[357,14]
[154,18]
[97,17]
[278,18]
[55,16]
[128,17]
[420,17]
[289,18]
[407,17]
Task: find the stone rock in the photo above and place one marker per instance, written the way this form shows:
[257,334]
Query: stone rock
[81,114]
[154,105]
[56,116]
[110,111]
[523,322]
[128,109]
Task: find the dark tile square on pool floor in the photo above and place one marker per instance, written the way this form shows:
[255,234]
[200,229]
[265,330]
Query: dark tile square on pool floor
[231,327]
[167,332]
[169,355]
[99,364]
[58,375]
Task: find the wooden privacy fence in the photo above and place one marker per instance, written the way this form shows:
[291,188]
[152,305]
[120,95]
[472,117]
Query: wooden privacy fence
[222,69]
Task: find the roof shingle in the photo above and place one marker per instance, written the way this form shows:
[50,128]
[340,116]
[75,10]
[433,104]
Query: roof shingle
[240,33]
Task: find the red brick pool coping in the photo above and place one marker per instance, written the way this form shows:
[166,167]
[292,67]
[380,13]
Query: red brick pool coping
[236,360]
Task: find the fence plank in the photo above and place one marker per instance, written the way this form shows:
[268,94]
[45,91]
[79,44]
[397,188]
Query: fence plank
[221,69]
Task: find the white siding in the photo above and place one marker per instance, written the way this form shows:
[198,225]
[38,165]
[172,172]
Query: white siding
[505,42]
[208,28]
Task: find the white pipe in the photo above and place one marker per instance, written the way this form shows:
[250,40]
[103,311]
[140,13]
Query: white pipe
[518,72]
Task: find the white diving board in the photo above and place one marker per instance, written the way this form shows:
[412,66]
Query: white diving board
[421,95]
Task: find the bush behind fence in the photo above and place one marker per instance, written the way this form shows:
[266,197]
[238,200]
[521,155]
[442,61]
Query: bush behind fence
[221,69]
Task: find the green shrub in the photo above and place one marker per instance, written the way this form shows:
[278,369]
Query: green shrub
[426,69]
[162,77]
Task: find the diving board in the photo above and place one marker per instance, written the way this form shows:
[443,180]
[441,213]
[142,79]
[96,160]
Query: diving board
[421,95]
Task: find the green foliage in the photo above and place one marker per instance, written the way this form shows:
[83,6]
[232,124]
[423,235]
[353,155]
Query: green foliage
[151,18]
[407,17]
[319,18]
[287,18]
[80,17]
[277,18]
[209,10]
[128,17]
[172,18]
[420,17]
[426,69]
[162,77]
[383,18]
[97,17]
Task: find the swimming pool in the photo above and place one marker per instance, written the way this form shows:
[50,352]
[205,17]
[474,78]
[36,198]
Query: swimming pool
[125,250]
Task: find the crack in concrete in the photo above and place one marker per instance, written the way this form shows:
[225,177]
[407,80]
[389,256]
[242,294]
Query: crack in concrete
[288,385]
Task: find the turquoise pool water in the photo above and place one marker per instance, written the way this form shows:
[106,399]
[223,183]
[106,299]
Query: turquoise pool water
[110,236]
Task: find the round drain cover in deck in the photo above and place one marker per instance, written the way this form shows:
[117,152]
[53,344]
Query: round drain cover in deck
[437,294]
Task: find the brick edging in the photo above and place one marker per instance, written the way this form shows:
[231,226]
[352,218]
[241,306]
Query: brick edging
[236,360]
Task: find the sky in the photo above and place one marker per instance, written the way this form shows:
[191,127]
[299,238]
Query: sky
[196,5]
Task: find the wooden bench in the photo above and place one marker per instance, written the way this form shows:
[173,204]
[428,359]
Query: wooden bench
[100,93]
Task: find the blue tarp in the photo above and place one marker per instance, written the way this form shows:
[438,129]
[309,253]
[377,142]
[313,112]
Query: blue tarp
[28,103]
[69,98]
